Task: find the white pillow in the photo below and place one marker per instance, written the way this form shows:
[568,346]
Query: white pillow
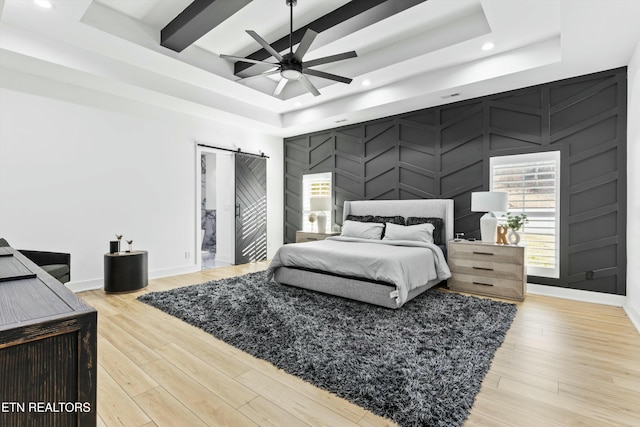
[362,230]
[419,232]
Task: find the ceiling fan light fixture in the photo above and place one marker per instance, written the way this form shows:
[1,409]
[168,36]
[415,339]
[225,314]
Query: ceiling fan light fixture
[290,74]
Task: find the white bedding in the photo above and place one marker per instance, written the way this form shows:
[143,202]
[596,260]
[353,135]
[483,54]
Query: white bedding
[405,264]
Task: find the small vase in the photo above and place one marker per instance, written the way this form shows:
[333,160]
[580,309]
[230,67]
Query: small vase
[513,237]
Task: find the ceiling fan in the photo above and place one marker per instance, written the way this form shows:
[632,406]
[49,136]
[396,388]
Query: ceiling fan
[290,65]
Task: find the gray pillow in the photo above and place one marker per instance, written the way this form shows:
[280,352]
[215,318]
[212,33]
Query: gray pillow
[376,218]
[419,232]
[362,230]
[438,223]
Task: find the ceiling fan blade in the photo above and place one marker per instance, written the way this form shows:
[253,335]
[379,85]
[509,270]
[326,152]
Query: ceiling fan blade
[251,61]
[310,87]
[327,76]
[267,73]
[281,84]
[305,43]
[265,45]
[332,58]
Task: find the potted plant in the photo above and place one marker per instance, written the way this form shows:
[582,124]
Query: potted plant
[515,223]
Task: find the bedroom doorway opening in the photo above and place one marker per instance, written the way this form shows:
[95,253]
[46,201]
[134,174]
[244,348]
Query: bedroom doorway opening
[231,197]
[216,241]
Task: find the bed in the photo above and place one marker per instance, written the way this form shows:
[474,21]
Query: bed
[381,271]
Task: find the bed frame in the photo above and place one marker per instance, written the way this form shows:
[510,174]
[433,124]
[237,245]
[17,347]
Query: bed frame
[363,290]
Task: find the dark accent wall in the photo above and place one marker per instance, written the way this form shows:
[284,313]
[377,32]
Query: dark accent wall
[444,151]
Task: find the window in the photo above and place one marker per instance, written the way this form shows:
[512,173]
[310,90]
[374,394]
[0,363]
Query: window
[314,185]
[533,184]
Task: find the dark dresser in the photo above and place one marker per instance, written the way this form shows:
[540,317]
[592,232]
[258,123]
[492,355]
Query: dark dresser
[48,356]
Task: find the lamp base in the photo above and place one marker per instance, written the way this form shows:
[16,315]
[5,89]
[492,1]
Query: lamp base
[488,227]
[322,222]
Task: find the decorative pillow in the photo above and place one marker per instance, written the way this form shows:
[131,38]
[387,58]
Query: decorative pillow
[362,230]
[381,219]
[418,232]
[438,223]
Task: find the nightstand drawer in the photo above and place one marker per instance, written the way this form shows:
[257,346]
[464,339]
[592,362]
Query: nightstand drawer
[485,285]
[307,239]
[488,253]
[310,236]
[501,270]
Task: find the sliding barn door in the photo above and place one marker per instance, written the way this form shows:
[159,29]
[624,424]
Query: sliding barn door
[251,208]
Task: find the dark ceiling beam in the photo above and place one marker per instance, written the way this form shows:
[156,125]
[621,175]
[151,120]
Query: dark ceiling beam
[196,20]
[350,17]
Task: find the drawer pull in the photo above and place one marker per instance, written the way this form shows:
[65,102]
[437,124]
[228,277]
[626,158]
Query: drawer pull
[483,284]
[482,253]
[311,239]
[483,268]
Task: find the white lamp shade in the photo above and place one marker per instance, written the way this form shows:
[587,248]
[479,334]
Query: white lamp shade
[488,201]
[320,204]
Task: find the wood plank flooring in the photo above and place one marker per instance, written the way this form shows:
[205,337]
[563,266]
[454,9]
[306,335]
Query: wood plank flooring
[563,363]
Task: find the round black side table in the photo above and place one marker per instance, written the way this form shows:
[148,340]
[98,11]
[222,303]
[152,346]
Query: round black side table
[125,271]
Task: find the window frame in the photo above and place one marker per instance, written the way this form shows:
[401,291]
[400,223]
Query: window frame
[305,199]
[527,158]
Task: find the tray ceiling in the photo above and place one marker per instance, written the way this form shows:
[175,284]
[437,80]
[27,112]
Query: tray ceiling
[411,53]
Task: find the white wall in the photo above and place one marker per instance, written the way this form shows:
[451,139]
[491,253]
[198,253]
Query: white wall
[225,215]
[72,174]
[632,305]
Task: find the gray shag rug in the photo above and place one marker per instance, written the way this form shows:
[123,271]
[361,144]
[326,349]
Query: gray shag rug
[420,365]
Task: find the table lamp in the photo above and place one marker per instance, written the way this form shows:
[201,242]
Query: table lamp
[489,202]
[321,204]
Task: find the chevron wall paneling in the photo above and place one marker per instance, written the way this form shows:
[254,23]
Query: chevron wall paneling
[444,152]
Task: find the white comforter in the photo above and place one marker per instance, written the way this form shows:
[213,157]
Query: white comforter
[403,263]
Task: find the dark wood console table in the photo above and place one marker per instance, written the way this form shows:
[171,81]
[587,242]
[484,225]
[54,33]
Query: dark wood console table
[48,356]
[125,272]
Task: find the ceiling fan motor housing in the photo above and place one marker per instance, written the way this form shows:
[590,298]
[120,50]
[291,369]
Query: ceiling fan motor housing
[290,67]
[292,2]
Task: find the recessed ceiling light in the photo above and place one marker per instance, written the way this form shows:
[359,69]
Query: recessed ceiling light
[488,46]
[366,82]
[297,103]
[46,4]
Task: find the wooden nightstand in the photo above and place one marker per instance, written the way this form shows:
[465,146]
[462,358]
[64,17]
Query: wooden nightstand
[488,269]
[311,236]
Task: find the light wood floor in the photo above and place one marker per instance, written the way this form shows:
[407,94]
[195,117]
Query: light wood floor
[563,363]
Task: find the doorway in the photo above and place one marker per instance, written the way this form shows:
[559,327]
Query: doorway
[215,214]
[232,207]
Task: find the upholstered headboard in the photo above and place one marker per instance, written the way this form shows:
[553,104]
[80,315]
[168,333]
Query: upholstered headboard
[440,208]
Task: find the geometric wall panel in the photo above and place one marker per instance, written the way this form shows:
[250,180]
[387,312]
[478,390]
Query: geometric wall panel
[444,152]
[592,135]
[526,121]
[473,148]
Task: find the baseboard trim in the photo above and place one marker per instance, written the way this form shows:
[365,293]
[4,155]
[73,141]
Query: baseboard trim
[174,271]
[87,285]
[92,285]
[576,295]
[632,314]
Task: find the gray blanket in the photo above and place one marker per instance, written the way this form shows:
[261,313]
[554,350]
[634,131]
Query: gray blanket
[405,264]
